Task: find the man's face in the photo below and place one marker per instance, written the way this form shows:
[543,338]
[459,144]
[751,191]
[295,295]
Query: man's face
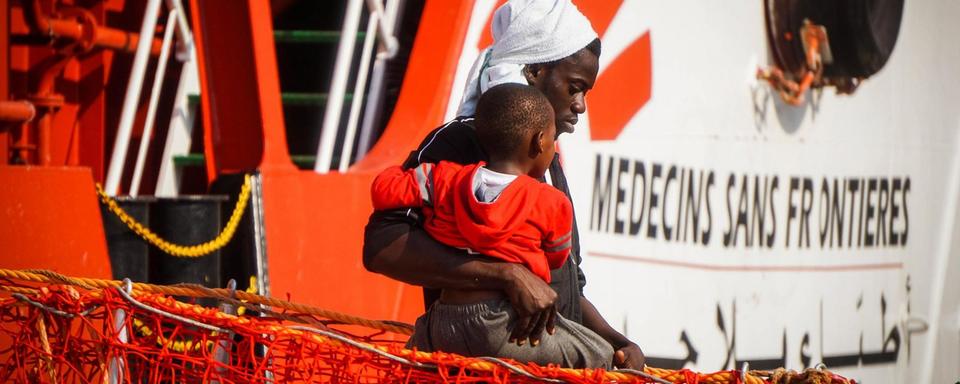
[565,85]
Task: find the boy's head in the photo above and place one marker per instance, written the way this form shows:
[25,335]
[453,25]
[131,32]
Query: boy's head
[515,124]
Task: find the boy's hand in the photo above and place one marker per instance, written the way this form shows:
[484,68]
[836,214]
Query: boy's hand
[535,304]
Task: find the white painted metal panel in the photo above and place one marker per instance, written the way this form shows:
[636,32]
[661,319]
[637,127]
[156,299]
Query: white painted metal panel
[844,302]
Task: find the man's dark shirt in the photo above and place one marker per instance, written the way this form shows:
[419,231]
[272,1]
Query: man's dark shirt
[457,141]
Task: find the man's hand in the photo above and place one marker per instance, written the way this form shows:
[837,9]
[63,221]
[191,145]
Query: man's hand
[535,304]
[629,356]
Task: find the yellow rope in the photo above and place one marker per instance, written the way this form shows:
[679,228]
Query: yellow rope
[178,346]
[45,342]
[251,288]
[183,250]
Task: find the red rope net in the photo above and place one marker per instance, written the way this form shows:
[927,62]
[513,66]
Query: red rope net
[63,334]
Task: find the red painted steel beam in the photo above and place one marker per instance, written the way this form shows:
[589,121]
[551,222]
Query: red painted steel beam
[239,87]
[4,77]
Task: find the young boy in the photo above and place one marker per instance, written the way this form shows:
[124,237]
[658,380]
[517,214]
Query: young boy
[497,209]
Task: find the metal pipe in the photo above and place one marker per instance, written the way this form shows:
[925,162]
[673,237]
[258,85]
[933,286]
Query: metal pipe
[48,101]
[22,146]
[118,363]
[40,22]
[372,111]
[154,100]
[122,40]
[43,139]
[115,374]
[331,117]
[180,131]
[86,32]
[221,350]
[260,249]
[182,115]
[87,35]
[132,98]
[358,89]
[19,111]
[388,42]
[183,27]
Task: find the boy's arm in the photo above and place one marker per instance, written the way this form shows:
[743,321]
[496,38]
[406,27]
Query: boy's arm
[397,188]
[558,240]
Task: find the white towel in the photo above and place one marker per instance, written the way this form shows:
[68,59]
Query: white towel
[525,32]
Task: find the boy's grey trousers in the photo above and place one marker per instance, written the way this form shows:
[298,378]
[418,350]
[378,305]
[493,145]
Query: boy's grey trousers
[483,329]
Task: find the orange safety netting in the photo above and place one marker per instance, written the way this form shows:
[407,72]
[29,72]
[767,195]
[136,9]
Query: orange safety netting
[68,330]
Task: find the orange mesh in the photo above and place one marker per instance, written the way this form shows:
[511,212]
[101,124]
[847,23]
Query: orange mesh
[68,334]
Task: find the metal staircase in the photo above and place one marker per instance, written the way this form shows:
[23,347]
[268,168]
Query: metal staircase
[311,67]
[306,43]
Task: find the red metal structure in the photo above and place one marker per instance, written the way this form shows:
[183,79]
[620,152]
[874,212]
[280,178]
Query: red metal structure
[56,98]
[243,120]
[313,223]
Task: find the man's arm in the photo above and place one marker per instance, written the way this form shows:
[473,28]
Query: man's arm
[400,250]
[627,353]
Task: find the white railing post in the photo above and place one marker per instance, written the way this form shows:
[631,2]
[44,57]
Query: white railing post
[331,117]
[358,90]
[372,110]
[118,363]
[183,27]
[180,132]
[388,42]
[132,98]
[154,100]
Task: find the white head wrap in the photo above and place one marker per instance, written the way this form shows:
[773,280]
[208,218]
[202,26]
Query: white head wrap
[525,32]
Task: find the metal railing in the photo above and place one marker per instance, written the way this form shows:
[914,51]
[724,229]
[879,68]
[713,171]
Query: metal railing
[176,22]
[379,31]
[380,26]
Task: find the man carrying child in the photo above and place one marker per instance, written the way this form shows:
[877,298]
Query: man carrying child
[551,46]
[496,208]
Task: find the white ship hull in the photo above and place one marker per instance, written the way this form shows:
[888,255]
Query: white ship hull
[781,235]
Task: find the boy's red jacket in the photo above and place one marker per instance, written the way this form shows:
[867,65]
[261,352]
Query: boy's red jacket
[529,223]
